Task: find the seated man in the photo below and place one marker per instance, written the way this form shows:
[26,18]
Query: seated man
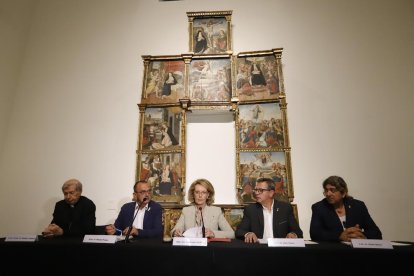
[268,217]
[142,214]
[74,215]
[339,216]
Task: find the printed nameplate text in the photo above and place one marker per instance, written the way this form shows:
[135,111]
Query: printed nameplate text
[100,238]
[367,243]
[21,238]
[181,241]
[274,242]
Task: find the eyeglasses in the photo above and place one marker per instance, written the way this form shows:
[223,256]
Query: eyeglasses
[71,193]
[200,193]
[332,190]
[260,191]
[144,192]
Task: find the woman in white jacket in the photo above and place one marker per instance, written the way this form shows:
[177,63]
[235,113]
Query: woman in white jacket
[201,196]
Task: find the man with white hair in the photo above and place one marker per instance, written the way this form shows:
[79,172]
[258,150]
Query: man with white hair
[74,215]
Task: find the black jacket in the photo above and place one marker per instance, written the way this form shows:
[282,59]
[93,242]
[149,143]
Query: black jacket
[326,225]
[284,221]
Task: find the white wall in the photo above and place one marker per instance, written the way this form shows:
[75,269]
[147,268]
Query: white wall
[15,17]
[347,69]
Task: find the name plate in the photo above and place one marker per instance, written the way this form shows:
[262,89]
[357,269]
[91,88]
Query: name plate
[182,241]
[367,243]
[274,242]
[100,238]
[21,238]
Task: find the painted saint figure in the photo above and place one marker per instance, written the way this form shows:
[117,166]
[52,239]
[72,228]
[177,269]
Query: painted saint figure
[200,42]
[170,80]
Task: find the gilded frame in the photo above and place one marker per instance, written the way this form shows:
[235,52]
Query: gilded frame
[159,163]
[210,32]
[164,79]
[213,79]
[258,76]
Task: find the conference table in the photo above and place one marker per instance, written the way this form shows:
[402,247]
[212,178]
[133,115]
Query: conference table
[71,256]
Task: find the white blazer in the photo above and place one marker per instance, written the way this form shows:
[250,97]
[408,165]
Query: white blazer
[213,218]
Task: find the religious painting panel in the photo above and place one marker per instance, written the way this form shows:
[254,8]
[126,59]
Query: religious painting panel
[260,126]
[270,164]
[258,76]
[164,79]
[161,128]
[210,32]
[210,80]
[164,172]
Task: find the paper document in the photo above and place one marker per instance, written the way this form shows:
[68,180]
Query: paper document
[194,232]
[120,238]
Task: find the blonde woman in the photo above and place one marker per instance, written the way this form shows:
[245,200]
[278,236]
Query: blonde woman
[201,197]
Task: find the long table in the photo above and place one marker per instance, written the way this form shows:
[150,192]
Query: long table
[62,256]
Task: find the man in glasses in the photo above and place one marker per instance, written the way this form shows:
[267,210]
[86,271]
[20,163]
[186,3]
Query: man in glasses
[142,214]
[74,215]
[339,216]
[267,218]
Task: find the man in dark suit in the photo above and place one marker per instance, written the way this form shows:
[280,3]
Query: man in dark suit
[74,215]
[267,218]
[142,213]
[340,217]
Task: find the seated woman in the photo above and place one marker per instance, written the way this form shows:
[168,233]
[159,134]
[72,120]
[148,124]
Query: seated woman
[201,196]
[340,217]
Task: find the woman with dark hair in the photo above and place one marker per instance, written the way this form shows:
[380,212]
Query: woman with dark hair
[340,217]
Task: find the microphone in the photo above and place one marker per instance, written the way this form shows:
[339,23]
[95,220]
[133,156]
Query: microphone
[135,215]
[144,201]
[203,229]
